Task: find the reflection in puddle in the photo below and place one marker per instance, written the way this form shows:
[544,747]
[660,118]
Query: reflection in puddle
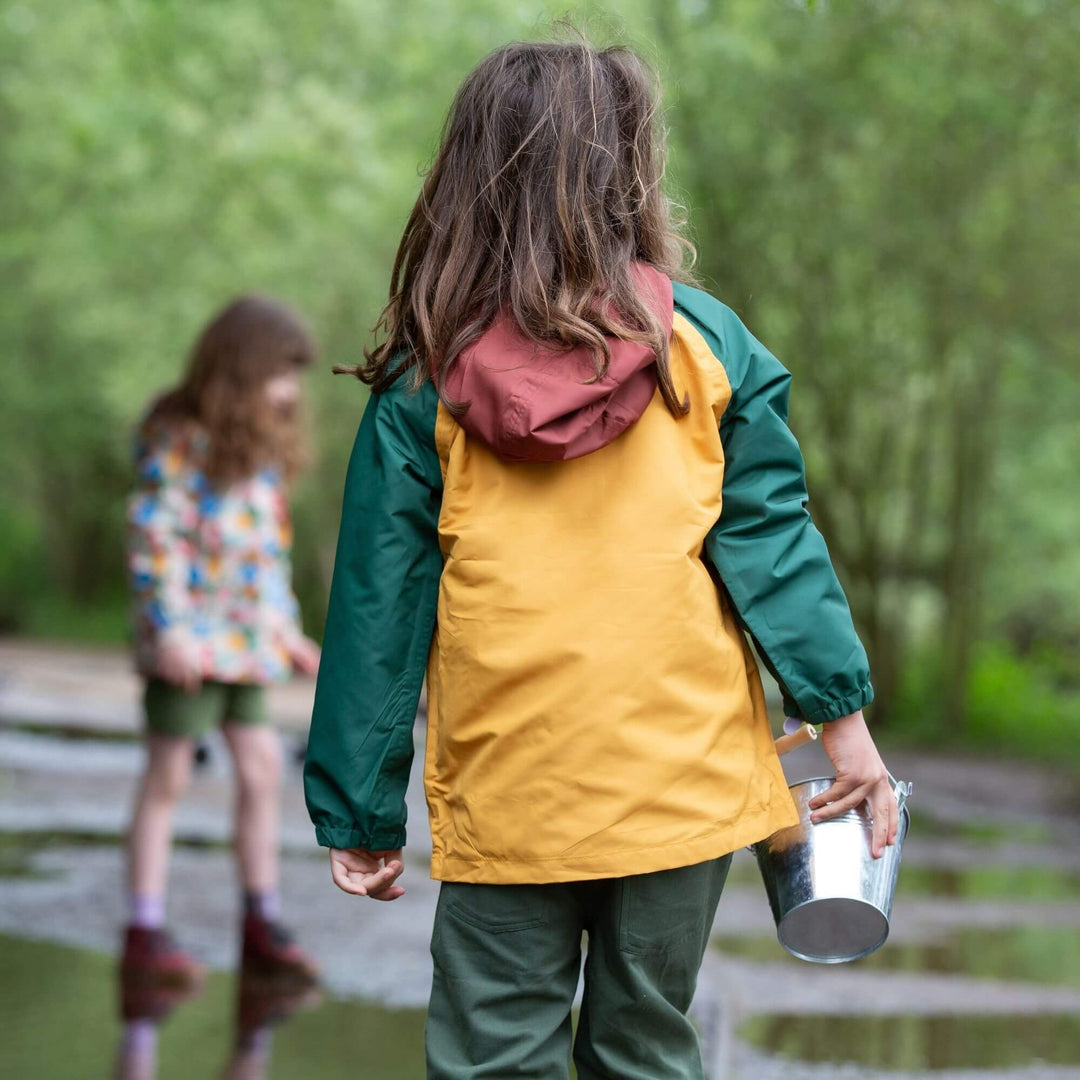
[1026,954]
[60,1019]
[920,1042]
[990,882]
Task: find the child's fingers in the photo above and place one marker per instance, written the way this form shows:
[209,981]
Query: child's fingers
[381,889]
[344,880]
[886,817]
[840,788]
[356,862]
[359,872]
[881,827]
[392,894]
[362,882]
[842,805]
[389,856]
[388,891]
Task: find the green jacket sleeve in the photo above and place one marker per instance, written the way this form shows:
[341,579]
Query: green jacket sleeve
[765,547]
[379,626]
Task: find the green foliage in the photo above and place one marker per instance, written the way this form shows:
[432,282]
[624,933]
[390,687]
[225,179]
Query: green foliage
[886,192]
[1022,706]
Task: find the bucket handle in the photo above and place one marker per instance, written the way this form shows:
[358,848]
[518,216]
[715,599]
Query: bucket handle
[902,789]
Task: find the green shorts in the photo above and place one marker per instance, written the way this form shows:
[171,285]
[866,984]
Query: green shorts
[173,711]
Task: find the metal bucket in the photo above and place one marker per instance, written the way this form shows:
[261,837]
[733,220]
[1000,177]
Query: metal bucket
[830,897]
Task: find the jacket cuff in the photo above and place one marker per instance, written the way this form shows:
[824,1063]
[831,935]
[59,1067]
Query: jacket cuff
[834,708]
[343,836]
[791,706]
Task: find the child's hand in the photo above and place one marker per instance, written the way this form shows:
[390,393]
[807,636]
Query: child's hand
[362,873]
[179,665]
[860,774]
[304,654]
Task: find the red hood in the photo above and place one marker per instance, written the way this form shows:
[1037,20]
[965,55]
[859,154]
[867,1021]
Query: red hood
[532,403]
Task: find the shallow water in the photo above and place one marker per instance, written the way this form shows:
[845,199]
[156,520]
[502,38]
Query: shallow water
[58,1003]
[918,1043]
[990,883]
[980,831]
[1024,954]
[58,1021]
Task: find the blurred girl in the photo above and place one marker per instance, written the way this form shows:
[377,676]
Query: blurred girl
[572,491]
[215,616]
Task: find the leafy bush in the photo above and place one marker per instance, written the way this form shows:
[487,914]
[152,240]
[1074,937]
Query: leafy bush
[1020,705]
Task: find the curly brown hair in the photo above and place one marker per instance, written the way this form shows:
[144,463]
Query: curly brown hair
[248,342]
[547,186]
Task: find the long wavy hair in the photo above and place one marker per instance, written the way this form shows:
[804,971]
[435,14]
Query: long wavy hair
[546,187]
[248,342]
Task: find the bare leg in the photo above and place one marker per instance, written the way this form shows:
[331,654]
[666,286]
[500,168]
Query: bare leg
[166,777]
[257,762]
[150,961]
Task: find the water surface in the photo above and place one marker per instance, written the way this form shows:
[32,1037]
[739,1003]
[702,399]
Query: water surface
[1024,954]
[58,1021]
[918,1043]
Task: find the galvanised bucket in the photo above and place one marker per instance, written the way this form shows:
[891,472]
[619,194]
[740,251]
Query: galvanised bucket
[830,897]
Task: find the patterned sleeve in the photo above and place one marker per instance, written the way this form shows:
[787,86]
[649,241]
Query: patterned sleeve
[161,520]
[290,624]
[284,606]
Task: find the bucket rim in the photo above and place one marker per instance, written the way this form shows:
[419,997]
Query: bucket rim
[830,779]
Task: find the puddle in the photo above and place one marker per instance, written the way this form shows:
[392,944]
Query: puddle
[17,849]
[59,1022]
[917,1043]
[981,832]
[1041,883]
[990,883]
[58,1010]
[1023,954]
[17,858]
[70,732]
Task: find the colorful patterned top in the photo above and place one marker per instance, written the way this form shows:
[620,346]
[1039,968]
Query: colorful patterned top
[210,568]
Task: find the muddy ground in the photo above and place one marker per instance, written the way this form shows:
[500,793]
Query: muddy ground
[981,977]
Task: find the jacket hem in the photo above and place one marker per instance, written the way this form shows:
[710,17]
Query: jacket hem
[748,829]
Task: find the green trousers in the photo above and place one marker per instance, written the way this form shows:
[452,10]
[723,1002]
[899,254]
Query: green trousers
[507,962]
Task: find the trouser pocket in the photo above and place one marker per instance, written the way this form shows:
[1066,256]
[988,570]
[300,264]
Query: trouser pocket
[645,951]
[659,911]
[506,961]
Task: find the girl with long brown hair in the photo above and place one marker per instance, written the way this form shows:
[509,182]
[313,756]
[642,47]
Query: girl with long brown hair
[209,539]
[572,496]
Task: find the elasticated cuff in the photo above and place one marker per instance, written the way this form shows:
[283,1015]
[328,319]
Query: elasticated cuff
[336,836]
[825,712]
